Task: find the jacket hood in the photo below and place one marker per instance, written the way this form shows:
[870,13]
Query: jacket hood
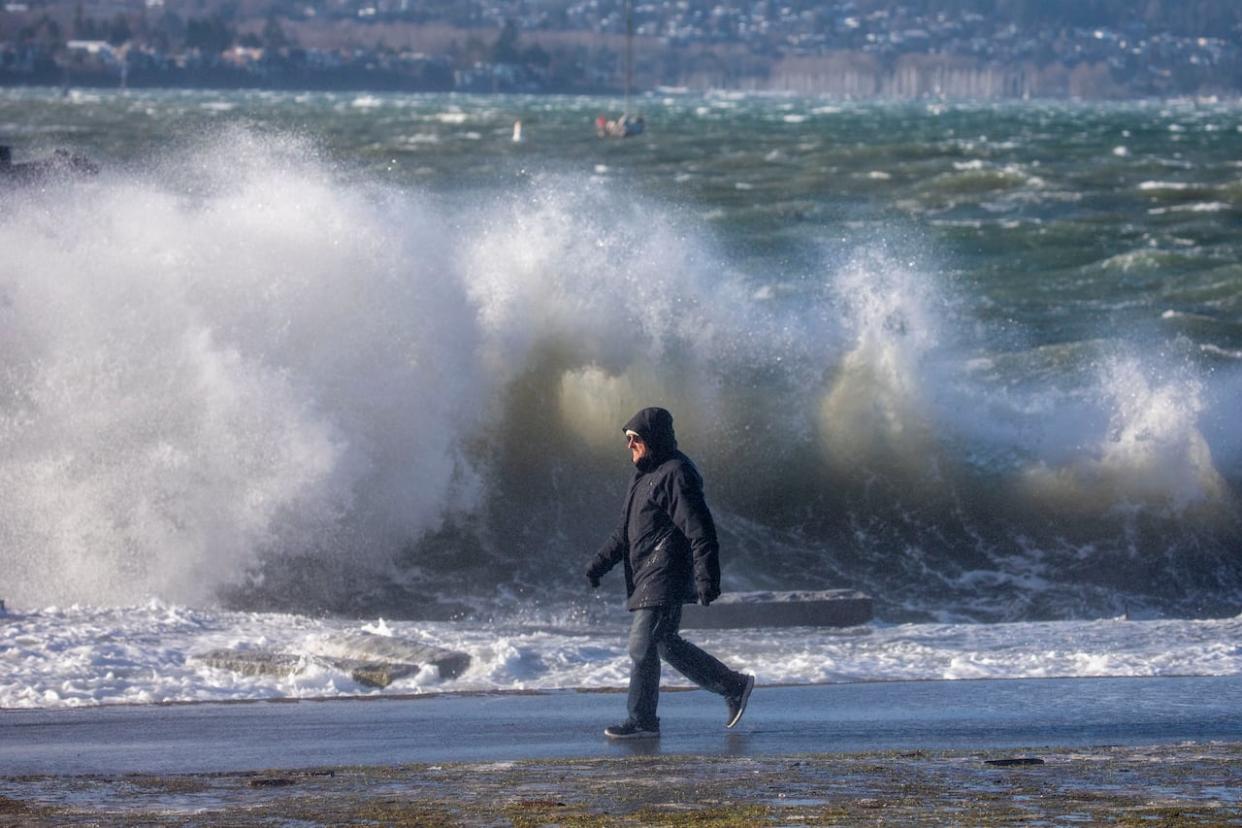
[655,426]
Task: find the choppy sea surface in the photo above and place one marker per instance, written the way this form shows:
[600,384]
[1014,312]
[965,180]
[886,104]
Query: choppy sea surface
[295,363]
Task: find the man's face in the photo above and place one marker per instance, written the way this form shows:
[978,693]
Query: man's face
[638,448]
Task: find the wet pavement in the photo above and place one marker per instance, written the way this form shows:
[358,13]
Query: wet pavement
[781,721]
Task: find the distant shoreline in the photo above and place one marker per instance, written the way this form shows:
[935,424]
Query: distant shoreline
[1232,97]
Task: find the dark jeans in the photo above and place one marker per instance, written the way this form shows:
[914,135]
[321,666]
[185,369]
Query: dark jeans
[653,636]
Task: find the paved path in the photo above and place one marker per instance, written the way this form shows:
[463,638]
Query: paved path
[483,728]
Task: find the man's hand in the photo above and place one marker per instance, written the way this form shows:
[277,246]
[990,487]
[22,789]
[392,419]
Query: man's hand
[708,594]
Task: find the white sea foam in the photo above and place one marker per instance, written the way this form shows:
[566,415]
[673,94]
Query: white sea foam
[141,655]
[1216,350]
[1197,207]
[1173,186]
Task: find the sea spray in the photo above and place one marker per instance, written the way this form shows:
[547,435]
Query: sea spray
[247,376]
[202,370]
[880,403]
[1151,455]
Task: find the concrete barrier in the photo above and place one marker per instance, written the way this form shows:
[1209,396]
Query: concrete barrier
[819,608]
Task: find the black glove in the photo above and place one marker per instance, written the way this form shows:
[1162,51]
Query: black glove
[707,594]
[594,579]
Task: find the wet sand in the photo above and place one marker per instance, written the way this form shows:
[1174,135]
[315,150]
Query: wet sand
[1169,785]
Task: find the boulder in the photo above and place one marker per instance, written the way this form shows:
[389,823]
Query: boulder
[390,650]
[252,662]
[371,660]
[375,673]
[821,608]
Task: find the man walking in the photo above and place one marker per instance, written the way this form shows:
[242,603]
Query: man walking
[667,544]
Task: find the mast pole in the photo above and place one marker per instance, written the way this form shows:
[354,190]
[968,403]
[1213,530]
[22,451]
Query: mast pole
[629,52]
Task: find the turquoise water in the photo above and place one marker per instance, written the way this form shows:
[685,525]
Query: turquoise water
[980,359]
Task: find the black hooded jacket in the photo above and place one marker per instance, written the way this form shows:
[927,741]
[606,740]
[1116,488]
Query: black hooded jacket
[667,539]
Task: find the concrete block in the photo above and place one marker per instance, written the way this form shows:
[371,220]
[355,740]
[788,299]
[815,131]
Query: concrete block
[821,608]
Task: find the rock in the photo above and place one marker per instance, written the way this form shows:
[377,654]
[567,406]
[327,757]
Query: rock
[392,651]
[375,673]
[371,660]
[822,608]
[252,662]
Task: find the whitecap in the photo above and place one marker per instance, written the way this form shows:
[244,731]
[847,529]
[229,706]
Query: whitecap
[1216,350]
[1197,207]
[1148,186]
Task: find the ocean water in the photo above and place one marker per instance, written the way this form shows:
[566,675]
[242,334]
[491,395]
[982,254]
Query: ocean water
[296,362]
[87,656]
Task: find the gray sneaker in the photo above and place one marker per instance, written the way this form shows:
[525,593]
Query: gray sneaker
[737,703]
